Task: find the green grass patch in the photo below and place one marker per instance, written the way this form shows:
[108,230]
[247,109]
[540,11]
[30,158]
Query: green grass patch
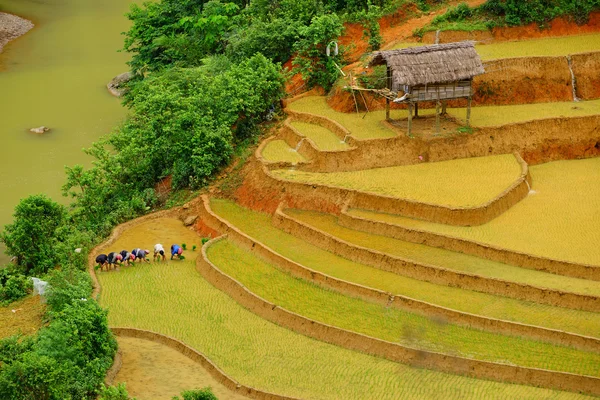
[392,324]
[445,258]
[466,182]
[173,299]
[558,220]
[278,150]
[322,137]
[258,225]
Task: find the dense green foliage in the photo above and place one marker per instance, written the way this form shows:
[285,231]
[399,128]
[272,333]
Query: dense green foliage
[198,394]
[31,238]
[13,285]
[67,360]
[511,13]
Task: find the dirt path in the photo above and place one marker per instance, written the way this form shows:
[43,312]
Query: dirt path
[11,27]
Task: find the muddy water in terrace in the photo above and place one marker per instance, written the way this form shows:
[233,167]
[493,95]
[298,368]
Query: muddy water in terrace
[56,75]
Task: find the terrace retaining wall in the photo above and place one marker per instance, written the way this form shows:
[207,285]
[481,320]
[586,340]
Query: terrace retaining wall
[477,249]
[431,273]
[389,350]
[389,299]
[201,359]
[316,195]
[537,141]
[585,68]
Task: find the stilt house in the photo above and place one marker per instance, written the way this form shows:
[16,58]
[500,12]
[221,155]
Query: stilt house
[437,72]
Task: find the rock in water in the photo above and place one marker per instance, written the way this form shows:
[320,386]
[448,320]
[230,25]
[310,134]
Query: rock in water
[41,129]
[116,85]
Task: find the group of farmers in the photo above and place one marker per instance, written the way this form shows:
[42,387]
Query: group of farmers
[124,257]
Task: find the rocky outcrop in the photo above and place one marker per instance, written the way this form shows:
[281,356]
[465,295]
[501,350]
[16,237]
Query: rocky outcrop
[116,86]
[11,27]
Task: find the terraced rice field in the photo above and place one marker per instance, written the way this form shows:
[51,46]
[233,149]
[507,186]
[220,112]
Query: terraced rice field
[371,126]
[258,226]
[559,220]
[446,258]
[155,371]
[322,137]
[278,150]
[171,298]
[392,324]
[503,115]
[554,46]
[550,47]
[466,182]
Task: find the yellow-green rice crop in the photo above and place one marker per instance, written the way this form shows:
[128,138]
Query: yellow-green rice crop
[447,259]
[362,128]
[503,115]
[258,225]
[173,299]
[392,324]
[465,182]
[552,46]
[322,137]
[560,219]
[278,150]
[371,126]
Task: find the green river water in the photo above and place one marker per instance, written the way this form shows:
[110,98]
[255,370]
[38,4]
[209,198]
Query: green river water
[56,75]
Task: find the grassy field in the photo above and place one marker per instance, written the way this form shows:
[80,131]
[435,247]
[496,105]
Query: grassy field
[392,324]
[559,220]
[322,137]
[371,126]
[258,225]
[466,182]
[24,316]
[278,150]
[553,47]
[155,371]
[446,258]
[172,298]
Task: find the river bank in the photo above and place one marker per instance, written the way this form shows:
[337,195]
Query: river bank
[11,27]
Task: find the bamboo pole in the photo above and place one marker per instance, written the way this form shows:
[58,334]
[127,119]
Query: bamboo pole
[469,111]
[409,117]
[437,117]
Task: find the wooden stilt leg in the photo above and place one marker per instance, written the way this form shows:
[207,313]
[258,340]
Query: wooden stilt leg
[469,112]
[444,104]
[410,111]
[387,109]
[437,117]
[416,110]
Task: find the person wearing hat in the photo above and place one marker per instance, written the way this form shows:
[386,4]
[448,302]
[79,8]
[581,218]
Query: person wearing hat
[176,251]
[113,258]
[128,258]
[140,254]
[159,251]
[102,260]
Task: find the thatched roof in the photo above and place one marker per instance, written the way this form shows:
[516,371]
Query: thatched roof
[436,63]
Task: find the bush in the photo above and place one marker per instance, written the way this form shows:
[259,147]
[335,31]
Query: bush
[33,236]
[118,392]
[198,394]
[15,287]
[66,286]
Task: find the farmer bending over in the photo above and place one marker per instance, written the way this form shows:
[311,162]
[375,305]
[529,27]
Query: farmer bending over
[128,258]
[176,251]
[114,258]
[102,260]
[140,254]
[159,251]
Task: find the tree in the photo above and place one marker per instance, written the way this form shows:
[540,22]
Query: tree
[32,237]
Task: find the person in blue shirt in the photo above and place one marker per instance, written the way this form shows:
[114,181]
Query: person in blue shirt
[176,251]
